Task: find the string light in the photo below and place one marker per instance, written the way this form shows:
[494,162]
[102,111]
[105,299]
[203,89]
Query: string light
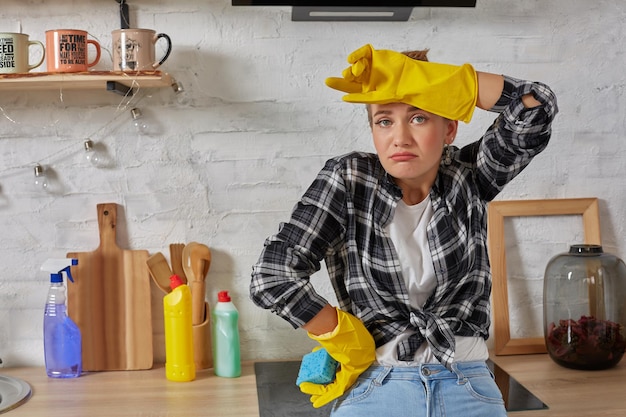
[177,87]
[181,96]
[138,121]
[91,154]
[41,181]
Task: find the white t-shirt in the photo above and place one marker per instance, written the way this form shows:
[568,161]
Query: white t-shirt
[407,231]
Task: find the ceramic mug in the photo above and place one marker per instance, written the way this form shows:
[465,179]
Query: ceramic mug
[14,53]
[67,50]
[134,49]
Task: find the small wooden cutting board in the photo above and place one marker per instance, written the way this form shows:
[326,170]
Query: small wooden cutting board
[110,301]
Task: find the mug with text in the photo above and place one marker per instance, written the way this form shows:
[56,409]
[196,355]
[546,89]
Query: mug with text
[15,53]
[67,50]
[134,49]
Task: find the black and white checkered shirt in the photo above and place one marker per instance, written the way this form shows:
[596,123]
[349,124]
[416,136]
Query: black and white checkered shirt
[341,219]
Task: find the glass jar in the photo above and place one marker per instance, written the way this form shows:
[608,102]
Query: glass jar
[584,308]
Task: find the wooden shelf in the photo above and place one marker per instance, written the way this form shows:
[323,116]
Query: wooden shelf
[83,80]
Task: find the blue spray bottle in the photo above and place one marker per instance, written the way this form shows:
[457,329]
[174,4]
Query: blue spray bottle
[61,336]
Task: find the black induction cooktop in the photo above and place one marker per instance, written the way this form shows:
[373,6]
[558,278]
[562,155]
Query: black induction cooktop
[280,397]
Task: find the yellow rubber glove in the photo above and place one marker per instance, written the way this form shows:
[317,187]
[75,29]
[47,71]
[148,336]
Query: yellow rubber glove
[350,344]
[383,76]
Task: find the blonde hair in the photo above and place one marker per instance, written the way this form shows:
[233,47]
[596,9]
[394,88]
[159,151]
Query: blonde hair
[419,55]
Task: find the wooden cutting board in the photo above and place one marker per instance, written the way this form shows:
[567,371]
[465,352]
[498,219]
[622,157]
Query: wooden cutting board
[110,301]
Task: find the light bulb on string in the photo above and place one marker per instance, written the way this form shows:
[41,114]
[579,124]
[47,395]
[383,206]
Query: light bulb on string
[41,181]
[181,96]
[138,121]
[91,154]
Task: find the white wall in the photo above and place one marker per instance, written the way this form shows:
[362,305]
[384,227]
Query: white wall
[227,162]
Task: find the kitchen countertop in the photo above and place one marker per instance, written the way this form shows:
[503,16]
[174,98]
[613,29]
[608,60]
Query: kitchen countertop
[148,393]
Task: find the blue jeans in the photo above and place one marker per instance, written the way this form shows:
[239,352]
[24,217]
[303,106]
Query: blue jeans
[428,390]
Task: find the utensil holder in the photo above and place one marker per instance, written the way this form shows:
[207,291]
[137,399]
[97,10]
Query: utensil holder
[202,347]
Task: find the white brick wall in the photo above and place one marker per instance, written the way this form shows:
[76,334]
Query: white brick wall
[227,164]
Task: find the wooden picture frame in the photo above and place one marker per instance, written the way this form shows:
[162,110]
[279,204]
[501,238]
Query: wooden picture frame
[496,212]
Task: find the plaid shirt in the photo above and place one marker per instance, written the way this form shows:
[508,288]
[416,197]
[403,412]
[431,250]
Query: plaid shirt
[341,219]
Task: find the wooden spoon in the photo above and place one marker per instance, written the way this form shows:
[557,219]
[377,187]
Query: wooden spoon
[160,271]
[197,258]
[186,261]
[200,261]
[176,257]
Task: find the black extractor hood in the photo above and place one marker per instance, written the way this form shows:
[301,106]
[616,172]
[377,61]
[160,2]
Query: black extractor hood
[354,10]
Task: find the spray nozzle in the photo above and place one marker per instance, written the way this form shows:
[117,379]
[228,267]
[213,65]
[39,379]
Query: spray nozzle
[56,267]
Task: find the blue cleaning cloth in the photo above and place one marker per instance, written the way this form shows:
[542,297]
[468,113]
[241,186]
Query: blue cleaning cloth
[317,367]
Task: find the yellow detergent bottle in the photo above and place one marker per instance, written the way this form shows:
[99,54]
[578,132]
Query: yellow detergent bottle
[179,360]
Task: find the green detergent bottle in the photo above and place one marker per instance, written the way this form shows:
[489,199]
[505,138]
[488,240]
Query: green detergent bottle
[226,349]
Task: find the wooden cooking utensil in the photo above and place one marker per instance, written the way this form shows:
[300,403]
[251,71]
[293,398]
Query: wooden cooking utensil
[200,261]
[186,261]
[197,258]
[160,271]
[110,301]
[176,258]
[196,263]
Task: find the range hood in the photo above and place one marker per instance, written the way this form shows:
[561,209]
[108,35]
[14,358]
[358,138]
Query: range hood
[354,10]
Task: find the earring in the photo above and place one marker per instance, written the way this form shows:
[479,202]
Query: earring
[447,154]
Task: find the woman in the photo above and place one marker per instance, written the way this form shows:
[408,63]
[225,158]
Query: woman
[403,236]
